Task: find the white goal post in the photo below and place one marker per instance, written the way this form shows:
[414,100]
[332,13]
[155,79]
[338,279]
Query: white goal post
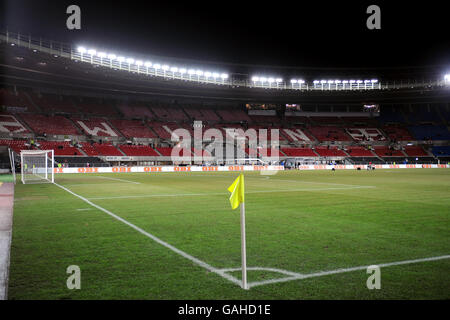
[37,166]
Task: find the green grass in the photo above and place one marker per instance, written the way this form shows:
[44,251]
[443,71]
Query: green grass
[324,225]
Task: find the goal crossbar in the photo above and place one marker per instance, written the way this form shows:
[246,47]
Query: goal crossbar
[37,166]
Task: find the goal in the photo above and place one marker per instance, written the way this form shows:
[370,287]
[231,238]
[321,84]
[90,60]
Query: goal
[37,166]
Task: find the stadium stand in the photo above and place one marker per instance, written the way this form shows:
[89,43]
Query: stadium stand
[96,127]
[169,114]
[61,148]
[299,152]
[52,103]
[441,151]
[58,125]
[430,132]
[353,151]
[329,152]
[384,151]
[16,101]
[133,129]
[330,133]
[135,111]
[138,150]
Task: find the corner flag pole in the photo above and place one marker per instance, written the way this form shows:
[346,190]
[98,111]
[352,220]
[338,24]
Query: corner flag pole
[243,248]
[237,198]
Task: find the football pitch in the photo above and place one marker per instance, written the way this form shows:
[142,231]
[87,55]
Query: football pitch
[310,235]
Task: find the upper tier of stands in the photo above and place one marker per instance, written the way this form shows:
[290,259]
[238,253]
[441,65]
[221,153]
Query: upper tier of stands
[430,132]
[133,128]
[41,124]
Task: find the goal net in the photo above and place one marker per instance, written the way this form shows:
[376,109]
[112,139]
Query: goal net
[37,166]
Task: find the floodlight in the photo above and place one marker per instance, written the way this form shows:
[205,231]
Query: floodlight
[130,60]
[366,81]
[293,81]
[344,81]
[271,80]
[183,70]
[157,66]
[278,80]
[91,52]
[139,63]
[174,69]
[358,81]
[215,75]
[148,64]
[323,81]
[165,67]
[101,54]
[316,81]
[199,72]
[121,59]
[81,49]
[207,74]
[352,81]
[447,77]
[255,79]
[224,76]
[330,81]
[263,79]
[337,81]
[374,80]
[301,81]
[191,71]
[111,56]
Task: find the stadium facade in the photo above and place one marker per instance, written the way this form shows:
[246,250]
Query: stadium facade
[97,109]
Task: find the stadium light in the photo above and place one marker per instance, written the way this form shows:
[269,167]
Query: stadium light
[101,55]
[293,81]
[121,59]
[255,79]
[199,73]
[92,52]
[165,67]
[139,63]
[174,69]
[130,60]
[208,74]
[81,49]
[157,66]
[183,70]
[224,76]
[271,80]
[447,78]
[278,80]
[148,64]
[263,79]
[111,56]
[191,71]
[215,75]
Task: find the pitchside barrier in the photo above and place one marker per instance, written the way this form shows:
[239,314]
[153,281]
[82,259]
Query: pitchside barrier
[233,168]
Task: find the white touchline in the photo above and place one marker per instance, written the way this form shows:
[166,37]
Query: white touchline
[156,239]
[222,193]
[223,272]
[117,179]
[299,276]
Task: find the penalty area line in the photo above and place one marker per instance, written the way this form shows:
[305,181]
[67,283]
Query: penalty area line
[159,241]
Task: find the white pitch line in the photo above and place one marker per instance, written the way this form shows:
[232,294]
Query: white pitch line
[117,179]
[223,272]
[223,193]
[327,273]
[156,239]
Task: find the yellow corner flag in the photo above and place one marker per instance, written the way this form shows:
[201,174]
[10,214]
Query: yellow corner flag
[237,192]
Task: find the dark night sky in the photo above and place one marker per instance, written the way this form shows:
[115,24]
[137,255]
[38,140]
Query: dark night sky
[301,33]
